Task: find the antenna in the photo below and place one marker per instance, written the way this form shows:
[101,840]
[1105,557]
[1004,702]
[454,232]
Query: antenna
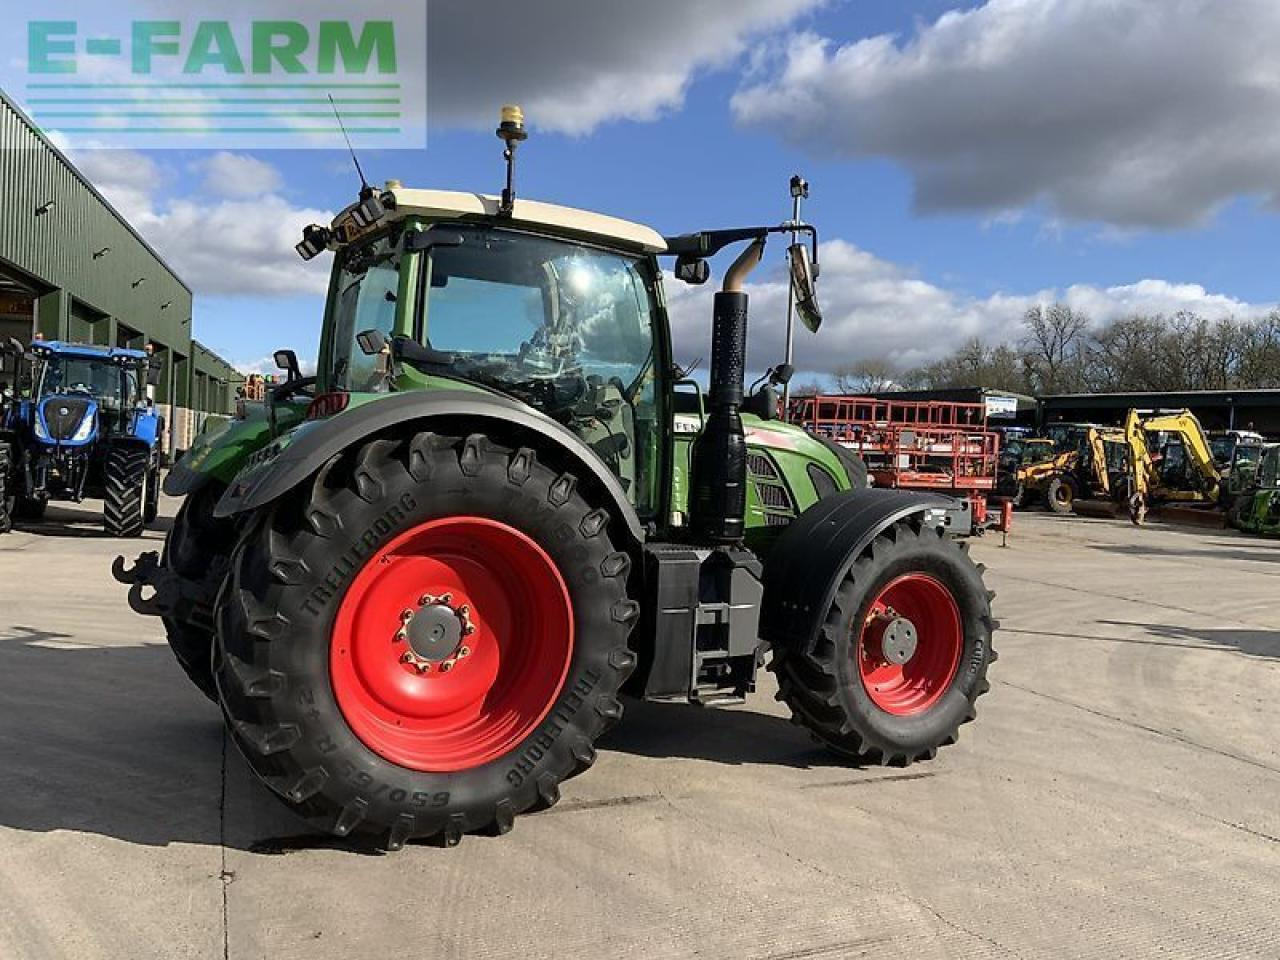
[364,184]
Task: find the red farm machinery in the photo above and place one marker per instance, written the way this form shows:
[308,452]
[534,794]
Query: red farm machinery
[938,446]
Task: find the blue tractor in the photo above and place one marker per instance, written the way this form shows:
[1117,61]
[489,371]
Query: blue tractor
[81,425]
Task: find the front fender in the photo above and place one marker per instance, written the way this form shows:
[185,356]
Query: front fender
[804,569]
[291,458]
[219,453]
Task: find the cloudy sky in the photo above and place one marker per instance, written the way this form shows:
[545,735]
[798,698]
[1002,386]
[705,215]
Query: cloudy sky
[968,160]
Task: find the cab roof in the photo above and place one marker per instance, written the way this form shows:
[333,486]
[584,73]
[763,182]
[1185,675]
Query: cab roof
[87,350]
[448,204]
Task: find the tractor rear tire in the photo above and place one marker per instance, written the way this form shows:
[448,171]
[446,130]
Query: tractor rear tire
[425,640]
[7,499]
[125,476]
[1060,495]
[912,596]
[198,551]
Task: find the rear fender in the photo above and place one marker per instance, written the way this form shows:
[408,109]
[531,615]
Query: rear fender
[805,567]
[293,457]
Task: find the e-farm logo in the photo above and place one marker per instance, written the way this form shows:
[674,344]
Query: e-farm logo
[217,82]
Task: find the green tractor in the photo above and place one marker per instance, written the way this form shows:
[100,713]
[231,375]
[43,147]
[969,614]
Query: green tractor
[419,582]
[1257,508]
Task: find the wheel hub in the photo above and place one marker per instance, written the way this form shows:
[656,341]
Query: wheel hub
[434,632]
[910,644]
[899,640]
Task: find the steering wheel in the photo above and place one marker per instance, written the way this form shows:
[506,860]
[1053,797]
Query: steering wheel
[303,386]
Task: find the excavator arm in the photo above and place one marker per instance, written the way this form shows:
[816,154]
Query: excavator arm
[1143,475]
[1187,428]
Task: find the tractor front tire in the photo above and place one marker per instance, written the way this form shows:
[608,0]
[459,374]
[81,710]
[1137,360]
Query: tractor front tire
[30,508]
[125,479]
[198,551]
[900,659]
[1060,495]
[425,640]
[151,506]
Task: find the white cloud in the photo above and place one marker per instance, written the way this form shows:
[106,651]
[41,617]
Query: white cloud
[237,247]
[219,245]
[1129,112]
[581,63]
[877,309]
[126,178]
[240,175]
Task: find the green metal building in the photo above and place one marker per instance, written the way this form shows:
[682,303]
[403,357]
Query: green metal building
[72,268]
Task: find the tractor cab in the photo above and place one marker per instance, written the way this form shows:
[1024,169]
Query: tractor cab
[563,311]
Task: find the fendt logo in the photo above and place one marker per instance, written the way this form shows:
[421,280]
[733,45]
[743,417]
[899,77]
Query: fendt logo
[211,81]
[274,45]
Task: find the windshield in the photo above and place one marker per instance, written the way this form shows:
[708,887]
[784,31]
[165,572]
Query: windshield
[527,308]
[367,282]
[112,384]
[562,326]
[1269,470]
[1246,453]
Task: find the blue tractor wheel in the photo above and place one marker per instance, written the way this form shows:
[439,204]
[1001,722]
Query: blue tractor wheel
[125,474]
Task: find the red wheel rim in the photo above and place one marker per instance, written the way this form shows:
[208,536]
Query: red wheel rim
[910,645]
[480,583]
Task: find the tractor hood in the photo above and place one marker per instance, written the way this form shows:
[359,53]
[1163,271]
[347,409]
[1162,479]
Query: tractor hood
[68,420]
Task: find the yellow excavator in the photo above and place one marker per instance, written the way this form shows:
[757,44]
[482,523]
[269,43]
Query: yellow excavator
[1170,460]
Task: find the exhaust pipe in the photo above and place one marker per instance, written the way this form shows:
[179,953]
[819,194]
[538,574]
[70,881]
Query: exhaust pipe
[718,499]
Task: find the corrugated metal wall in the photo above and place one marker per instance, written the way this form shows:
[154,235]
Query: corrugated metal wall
[57,247]
[96,300]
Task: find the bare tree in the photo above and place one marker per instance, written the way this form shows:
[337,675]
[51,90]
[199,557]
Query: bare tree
[1054,343]
[1063,353]
[867,376]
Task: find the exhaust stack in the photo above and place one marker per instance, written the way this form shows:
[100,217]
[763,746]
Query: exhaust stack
[718,500]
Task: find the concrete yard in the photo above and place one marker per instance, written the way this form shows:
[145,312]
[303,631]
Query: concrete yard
[1118,797]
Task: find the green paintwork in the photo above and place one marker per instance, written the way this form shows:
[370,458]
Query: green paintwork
[1260,513]
[221,449]
[789,448]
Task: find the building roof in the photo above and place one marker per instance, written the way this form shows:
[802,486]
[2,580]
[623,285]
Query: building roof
[84,181]
[1139,398]
[449,204]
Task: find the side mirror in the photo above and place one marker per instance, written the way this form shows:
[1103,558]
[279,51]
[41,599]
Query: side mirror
[692,270]
[154,372]
[287,360]
[804,277]
[371,342]
[782,374]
